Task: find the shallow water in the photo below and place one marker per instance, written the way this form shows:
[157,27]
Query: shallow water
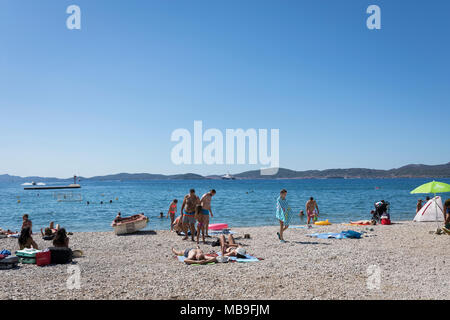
[238,203]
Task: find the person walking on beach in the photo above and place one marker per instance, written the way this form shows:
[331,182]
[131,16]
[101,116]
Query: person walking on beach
[205,202]
[283,214]
[172,211]
[190,202]
[312,210]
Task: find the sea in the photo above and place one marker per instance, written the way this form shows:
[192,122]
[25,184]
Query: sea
[239,203]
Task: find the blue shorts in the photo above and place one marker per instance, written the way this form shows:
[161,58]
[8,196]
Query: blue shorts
[205,212]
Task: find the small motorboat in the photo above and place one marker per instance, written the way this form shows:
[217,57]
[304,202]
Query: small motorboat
[130,224]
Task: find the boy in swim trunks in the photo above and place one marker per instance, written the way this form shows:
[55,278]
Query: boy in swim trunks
[312,209]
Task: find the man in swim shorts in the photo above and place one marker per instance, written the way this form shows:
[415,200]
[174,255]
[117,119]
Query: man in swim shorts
[194,256]
[311,206]
[205,202]
[190,202]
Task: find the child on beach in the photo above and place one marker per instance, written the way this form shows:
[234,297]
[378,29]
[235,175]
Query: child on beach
[172,211]
[201,225]
[283,214]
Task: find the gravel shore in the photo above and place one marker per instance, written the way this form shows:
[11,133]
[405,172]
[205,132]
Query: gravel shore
[412,264]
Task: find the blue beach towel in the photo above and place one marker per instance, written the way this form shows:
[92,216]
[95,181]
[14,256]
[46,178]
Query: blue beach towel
[248,258]
[283,212]
[349,234]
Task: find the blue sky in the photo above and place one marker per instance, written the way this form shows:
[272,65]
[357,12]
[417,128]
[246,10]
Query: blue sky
[106,98]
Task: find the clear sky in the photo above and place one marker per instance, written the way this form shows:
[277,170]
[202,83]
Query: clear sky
[106,98]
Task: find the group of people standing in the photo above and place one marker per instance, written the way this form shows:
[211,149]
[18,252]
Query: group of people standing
[194,215]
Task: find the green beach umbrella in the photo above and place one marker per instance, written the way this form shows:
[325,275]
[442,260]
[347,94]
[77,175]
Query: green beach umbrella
[432,187]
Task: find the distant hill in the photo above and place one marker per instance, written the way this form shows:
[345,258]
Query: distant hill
[408,171]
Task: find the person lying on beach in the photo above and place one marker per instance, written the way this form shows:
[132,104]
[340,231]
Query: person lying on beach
[231,248]
[194,256]
[26,240]
[7,232]
[61,239]
[50,231]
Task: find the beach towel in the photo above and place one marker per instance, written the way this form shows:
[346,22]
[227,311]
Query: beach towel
[300,227]
[283,212]
[349,234]
[218,233]
[182,258]
[248,258]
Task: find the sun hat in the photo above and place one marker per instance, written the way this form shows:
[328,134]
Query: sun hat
[240,252]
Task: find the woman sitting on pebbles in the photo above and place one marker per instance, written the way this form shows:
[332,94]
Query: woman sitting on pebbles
[194,256]
[61,239]
[26,240]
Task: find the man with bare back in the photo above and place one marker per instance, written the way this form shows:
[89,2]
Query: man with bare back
[205,202]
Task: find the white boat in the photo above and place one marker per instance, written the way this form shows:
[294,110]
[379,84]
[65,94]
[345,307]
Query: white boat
[228,177]
[130,224]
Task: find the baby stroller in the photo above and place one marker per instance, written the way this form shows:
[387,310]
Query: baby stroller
[381,209]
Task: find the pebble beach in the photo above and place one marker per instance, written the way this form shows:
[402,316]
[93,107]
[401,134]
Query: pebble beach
[411,262]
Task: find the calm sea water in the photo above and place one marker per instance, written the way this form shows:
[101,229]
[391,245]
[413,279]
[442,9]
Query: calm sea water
[238,202]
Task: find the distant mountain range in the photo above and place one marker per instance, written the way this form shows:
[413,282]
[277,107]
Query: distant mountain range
[409,171]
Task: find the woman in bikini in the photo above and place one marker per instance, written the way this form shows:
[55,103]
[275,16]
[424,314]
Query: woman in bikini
[172,211]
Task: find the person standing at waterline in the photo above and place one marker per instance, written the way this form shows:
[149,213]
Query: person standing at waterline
[187,217]
[205,202]
[283,214]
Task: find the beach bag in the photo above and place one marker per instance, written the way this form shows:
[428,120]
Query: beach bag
[9,263]
[385,221]
[60,255]
[43,258]
[27,255]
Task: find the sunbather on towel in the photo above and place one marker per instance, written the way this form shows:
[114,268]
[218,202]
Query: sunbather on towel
[231,248]
[194,256]
[50,231]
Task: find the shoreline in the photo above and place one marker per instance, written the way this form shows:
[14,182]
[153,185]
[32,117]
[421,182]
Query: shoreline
[412,264]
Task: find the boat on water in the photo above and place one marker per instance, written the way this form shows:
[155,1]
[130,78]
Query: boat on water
[32,183]
[130,224]
[228,177]
[42,186]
